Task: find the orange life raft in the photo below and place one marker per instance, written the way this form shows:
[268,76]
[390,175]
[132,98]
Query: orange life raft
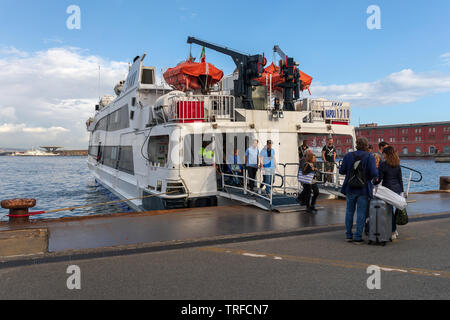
[277,78]
[190,75]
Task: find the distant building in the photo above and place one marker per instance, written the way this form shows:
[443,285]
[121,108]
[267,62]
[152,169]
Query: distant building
[416,139]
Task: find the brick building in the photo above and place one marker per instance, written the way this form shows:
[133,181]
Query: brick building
[416,139]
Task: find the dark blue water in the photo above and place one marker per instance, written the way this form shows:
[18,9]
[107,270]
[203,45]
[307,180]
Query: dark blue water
[58,182]
[55,182]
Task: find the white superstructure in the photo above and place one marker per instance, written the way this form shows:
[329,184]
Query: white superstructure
[151,139]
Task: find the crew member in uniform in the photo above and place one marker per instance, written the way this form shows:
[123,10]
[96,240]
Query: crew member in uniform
[329,158]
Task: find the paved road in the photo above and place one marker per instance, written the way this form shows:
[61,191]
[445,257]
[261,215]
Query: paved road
[318,266]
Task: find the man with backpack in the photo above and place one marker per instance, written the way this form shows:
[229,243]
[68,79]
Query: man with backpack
[359,169]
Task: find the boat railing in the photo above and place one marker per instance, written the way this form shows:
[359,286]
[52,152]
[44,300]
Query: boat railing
[229,181]
[201,108]
[410,177]
[291,185]
[240,182]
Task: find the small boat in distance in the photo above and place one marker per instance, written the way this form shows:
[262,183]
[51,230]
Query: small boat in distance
[33,153]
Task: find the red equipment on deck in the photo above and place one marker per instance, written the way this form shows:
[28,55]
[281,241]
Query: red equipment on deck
[190,111]
[277,78]
[191,75]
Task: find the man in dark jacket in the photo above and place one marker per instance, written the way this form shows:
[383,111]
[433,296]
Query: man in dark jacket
[358,198]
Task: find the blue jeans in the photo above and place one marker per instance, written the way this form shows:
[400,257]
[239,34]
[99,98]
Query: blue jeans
[267,179]
[360,203]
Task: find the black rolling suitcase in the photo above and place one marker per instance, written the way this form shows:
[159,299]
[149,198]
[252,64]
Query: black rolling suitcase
[380,222]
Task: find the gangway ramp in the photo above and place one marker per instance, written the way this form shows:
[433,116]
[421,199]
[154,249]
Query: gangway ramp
[273,201]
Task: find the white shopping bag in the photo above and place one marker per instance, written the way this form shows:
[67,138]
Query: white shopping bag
[389,196]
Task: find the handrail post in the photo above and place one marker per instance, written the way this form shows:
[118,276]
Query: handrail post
[245,181]
[223,181]
[271,190]
[409,183]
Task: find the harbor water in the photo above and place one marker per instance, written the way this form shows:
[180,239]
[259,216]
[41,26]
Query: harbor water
[58,182]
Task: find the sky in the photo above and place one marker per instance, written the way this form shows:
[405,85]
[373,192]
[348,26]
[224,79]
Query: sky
[49,74]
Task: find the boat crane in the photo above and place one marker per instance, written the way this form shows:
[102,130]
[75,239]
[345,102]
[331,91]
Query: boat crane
[292,82]
[249,68]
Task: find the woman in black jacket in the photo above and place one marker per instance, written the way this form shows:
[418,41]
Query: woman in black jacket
[311,189]
[390,173]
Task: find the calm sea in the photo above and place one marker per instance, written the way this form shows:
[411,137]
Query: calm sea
[58,182]
[55,182]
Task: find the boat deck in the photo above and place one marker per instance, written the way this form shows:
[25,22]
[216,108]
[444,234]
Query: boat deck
[201,223]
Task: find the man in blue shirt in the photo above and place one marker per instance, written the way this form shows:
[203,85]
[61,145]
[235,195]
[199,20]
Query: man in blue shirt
[269,164]
[358,197]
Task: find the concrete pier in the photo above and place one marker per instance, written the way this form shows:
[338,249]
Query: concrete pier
[164,226]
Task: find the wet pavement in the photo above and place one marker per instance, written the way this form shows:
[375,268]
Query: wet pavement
[197,223]
[313,266]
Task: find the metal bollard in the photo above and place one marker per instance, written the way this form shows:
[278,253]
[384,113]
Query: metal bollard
[18,208]
[444,183]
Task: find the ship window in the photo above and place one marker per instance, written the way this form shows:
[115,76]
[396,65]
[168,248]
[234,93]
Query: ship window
[108,154]
[118,119]
[93,151]
[158,150]
[418,150]
[148,76]
[405,150]
[102,124]
[126,159]
[113,153]
[446,149]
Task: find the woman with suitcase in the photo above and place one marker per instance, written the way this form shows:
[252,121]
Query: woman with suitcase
[311,190]
[390,176]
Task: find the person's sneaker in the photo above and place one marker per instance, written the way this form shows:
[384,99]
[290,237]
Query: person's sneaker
[309,210]
[349,239]
[358,241]
[394,236]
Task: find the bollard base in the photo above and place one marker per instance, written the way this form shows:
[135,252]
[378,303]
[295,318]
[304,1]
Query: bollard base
[15,216]
[444,183]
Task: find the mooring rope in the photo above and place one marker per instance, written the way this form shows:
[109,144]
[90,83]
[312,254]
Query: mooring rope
[86,206]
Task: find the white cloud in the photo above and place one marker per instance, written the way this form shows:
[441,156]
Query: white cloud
[405,86]
[11,50]
[15,128]
[8,113]
[446,58]
[48,95]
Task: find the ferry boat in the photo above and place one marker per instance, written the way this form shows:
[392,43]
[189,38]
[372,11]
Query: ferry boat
[33,153]
[167,144]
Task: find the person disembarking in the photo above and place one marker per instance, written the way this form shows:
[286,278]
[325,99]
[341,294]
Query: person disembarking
[268,164]
[311,190]
[390,176]
[357,194]
[301,198]
[251,163]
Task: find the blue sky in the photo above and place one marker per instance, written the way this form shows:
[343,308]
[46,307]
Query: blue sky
[329,39]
